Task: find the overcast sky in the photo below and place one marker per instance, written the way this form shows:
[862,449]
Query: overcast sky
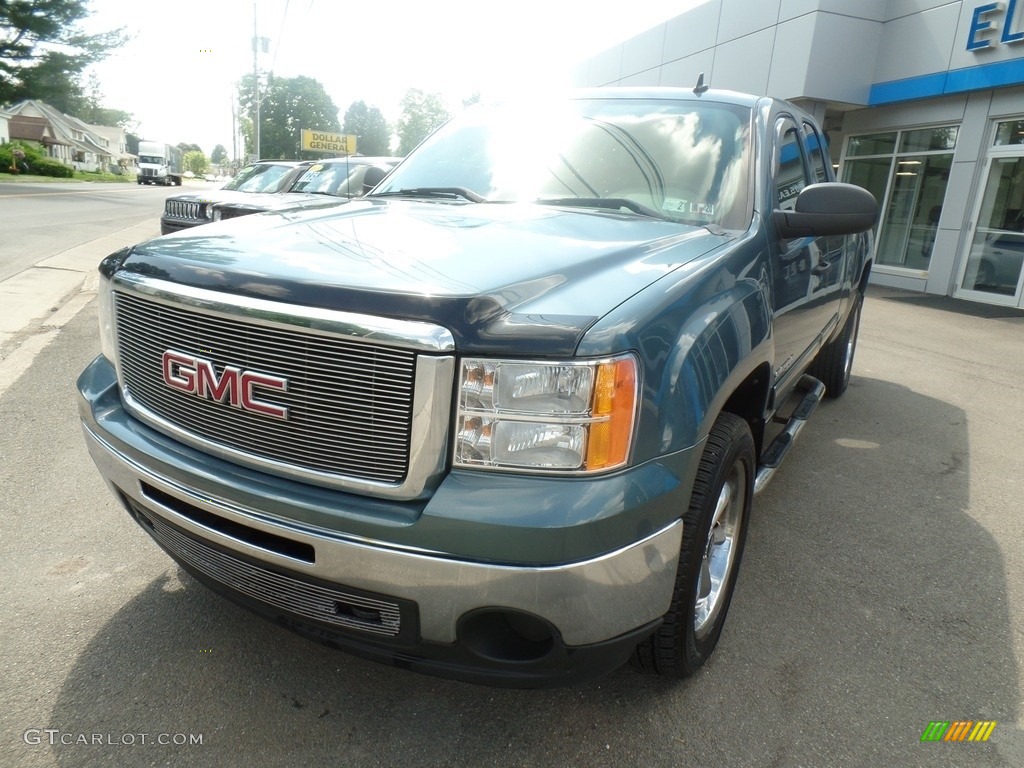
[177,74]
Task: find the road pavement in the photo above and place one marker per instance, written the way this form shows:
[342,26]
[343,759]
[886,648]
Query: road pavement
[45,219]
[882,589]
[54,237]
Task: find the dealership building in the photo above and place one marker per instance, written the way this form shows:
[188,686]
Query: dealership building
[922,102]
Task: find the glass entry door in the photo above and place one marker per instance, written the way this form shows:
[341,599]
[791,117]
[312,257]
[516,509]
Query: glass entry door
[991,270]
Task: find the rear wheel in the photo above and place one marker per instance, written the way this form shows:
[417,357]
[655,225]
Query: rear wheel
[834,362]
[714,531]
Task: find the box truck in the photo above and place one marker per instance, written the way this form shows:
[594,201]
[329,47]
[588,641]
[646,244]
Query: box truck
[159,163]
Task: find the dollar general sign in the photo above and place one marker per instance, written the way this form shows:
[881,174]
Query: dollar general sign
[333,143]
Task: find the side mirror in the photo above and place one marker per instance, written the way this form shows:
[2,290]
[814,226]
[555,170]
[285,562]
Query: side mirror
[374,175]
[828,208]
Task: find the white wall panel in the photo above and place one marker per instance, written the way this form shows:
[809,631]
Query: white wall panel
[694,31]
[742,65]
[742,17]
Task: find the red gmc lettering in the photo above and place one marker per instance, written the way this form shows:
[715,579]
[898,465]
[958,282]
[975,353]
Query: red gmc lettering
[234,386]
[250,403]
[179,371]
[223,390]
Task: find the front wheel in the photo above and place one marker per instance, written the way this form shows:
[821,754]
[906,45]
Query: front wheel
[714,531]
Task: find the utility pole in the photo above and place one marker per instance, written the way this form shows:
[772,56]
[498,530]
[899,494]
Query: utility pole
[257,43]
[255,83]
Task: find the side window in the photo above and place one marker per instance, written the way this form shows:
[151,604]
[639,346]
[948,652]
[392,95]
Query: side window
[790,168]
[817,148]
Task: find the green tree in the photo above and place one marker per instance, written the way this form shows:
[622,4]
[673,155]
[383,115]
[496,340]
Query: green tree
[96,115]
[189,147]
[288,105]
[195,161]
[370,128]
[219,156]
[43,52]
[92,110]
[421,114]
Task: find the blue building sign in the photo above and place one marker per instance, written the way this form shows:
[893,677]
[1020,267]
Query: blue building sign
[990,18]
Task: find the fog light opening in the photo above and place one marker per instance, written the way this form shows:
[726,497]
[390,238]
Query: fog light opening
[506,636]
[358,613]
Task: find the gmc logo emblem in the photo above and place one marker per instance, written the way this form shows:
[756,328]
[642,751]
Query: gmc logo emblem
[234,386]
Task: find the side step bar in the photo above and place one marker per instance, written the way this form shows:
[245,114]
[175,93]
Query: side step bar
[773,455]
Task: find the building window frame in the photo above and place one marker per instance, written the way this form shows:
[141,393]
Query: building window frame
[900,205]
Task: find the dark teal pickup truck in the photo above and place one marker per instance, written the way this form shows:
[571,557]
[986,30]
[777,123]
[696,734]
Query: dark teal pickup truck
[502,419]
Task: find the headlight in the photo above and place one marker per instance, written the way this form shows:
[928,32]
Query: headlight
[208,211]
[561,417]
[108,336]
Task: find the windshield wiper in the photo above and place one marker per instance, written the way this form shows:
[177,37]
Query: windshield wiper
[608,203]
[446,193]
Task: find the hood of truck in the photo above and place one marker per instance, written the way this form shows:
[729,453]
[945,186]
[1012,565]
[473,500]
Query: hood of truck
[503,278]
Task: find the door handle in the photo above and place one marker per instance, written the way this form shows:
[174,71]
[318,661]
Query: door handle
[821,267]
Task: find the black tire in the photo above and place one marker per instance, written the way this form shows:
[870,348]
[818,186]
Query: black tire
[717,516]
[834,362]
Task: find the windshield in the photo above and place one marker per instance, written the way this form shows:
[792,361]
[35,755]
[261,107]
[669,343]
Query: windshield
[259,178]
[342,179]
[154,159]
[688,161]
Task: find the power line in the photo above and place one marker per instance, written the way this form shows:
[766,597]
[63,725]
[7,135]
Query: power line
[280,34]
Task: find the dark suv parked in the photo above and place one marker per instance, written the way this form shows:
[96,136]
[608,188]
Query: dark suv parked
[344,177]
[190,210]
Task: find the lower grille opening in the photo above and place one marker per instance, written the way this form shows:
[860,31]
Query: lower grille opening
[333,605]
[359,614]
[270,542]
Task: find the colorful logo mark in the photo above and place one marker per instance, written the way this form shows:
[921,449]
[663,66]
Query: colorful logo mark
[959,730]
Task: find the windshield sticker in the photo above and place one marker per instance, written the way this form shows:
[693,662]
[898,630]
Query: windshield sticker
[677,205]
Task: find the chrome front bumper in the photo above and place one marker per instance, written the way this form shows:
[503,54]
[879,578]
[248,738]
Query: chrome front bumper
[587,602]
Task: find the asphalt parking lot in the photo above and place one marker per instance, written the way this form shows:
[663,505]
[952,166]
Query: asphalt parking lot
[882,589]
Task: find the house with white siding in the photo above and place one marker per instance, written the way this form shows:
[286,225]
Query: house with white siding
[67,139]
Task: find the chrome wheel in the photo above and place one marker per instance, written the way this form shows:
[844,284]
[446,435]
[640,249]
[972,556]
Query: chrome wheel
[714,527]
[719,553]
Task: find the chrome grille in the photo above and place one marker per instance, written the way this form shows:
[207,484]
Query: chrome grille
[182,209]
[312,601]
[349,401]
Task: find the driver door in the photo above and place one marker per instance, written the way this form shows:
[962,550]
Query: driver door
[807,271]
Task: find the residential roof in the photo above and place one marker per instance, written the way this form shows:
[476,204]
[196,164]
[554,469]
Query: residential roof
[63,129]
[32,129]
[115,135]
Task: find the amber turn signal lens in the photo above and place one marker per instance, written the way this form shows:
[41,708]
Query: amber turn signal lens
[614,407]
